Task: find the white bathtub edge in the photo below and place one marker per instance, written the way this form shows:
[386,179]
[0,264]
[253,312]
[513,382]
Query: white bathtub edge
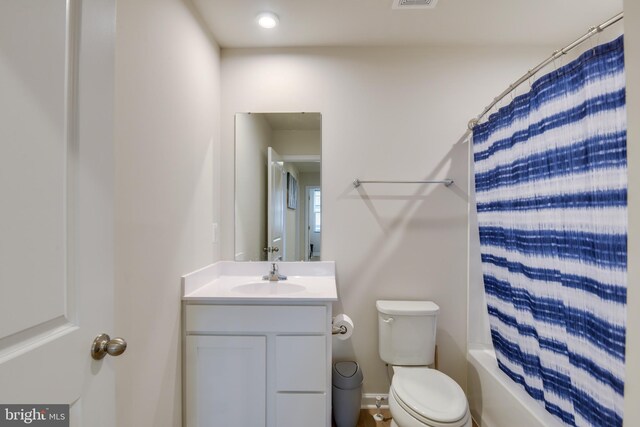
[496,401]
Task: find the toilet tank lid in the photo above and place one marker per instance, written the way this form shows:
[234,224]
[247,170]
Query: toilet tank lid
[409,308]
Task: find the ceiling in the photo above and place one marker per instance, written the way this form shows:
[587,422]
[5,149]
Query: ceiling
[308,167]
[374,23]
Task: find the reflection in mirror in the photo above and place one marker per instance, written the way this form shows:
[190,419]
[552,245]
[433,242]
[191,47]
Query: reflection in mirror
[278,211]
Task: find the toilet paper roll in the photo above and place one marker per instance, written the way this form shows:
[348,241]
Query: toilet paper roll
[343,320]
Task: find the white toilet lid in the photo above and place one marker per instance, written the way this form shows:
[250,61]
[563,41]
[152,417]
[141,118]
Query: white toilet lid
[429,394]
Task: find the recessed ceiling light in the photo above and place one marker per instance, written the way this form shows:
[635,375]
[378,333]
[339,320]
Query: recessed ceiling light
[267,20]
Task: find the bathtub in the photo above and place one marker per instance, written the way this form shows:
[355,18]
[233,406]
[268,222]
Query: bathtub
[496,401]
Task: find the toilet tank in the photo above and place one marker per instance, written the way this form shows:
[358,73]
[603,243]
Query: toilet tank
[407,332]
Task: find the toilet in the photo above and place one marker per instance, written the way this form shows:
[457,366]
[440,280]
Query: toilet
[419,396]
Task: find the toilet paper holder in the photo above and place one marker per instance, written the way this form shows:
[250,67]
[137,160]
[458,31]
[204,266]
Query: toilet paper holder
[338,330]
[342,327]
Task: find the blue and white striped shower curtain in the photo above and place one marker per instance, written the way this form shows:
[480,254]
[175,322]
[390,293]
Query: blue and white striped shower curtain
[551,191]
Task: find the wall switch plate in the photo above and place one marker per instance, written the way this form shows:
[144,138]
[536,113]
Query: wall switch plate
[214,232]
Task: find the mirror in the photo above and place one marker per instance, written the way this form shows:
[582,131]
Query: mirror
[278,196]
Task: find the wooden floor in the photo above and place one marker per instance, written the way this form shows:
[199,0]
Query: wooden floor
[366,419]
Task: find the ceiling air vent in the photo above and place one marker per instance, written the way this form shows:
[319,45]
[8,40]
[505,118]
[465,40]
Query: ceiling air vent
[414,4]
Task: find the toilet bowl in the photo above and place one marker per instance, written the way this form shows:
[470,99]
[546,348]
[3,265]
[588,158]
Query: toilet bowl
[419,396]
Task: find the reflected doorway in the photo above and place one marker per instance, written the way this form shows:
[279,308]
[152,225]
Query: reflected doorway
[313,223]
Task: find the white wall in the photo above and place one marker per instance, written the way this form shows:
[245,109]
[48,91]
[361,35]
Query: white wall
[253,137]
[297,142]
[387,113]
[632,64]
[166,136]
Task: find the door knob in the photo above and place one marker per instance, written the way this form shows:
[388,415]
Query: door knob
[103,345]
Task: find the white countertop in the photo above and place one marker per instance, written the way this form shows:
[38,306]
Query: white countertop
[241,282]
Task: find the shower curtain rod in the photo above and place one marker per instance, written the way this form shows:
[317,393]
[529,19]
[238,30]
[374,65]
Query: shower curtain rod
[557,54]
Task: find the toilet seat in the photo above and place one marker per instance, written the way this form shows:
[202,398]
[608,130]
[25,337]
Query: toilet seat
[428,397]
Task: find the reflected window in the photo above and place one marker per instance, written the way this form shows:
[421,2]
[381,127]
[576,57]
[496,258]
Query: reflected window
[316,210]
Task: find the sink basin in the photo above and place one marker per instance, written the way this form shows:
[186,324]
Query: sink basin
[236,282]
[268,288]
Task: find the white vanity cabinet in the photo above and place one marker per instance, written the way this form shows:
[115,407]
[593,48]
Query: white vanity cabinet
[257,364]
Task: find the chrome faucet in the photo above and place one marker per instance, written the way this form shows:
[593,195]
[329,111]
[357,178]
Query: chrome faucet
[273,275]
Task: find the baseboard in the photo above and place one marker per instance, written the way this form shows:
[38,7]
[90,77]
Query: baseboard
[369,400]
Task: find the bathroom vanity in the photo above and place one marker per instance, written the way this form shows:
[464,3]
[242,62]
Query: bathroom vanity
[256,352]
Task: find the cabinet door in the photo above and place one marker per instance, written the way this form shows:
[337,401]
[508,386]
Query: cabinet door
[301,363]
[301,409]
[226,381]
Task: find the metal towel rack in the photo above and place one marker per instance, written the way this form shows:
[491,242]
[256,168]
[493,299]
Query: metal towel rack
[447,182]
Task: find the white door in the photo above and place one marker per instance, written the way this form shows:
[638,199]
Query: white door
[56,204]
[275,204]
